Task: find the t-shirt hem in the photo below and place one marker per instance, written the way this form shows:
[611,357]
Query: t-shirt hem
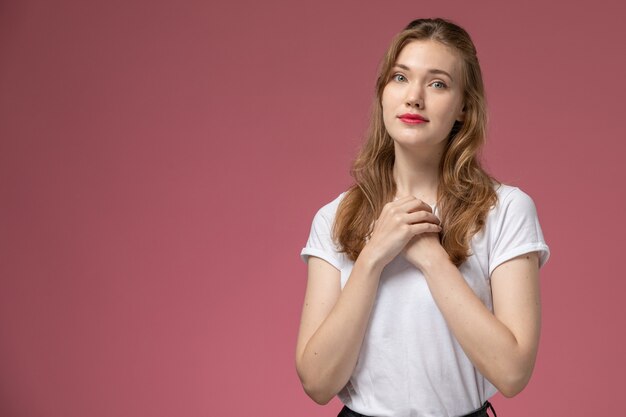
[542,248]
[306,252]
[490,392]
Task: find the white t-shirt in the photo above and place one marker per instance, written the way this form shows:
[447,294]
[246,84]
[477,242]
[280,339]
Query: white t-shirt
[410,363]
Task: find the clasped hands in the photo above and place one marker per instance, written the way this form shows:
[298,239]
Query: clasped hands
[408,226]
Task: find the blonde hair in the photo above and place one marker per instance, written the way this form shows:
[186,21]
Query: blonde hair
[465,193]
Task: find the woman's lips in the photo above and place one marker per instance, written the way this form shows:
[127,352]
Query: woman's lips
[412,119]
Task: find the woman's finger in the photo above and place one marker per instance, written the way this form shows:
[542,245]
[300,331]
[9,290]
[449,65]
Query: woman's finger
[414,204]
[421,217]
[419,228]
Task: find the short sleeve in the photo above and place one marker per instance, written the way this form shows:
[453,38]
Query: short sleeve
[320,242]
[516,230]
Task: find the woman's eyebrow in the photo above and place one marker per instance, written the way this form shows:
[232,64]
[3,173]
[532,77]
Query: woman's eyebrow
[430,70]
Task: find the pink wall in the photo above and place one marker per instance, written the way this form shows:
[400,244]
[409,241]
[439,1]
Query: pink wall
[160,164]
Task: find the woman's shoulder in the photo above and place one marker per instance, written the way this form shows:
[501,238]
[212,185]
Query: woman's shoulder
[321,242]
[513,227]
[329,209]
[509,195]
[504,190]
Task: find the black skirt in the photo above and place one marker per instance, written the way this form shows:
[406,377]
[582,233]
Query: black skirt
[481,412]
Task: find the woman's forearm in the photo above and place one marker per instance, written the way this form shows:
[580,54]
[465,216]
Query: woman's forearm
[331,353]
[491,346]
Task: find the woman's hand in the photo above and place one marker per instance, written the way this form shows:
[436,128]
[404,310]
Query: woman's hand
[424,248]
[400,221]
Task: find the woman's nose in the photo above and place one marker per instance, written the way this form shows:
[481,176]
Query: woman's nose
[414,96]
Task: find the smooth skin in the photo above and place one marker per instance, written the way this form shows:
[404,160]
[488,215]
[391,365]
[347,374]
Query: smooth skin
[502,345]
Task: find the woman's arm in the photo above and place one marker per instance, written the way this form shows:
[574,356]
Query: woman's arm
[334,321]
[503,344]
[333,325]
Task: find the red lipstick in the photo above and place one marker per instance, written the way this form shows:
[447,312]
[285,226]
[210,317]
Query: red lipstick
[412,118]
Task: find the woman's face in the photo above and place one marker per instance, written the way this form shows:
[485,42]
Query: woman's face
[425,81]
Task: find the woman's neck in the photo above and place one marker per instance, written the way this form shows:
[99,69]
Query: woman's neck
[417,175]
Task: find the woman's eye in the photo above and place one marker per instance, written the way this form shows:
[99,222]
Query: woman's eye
[439,85]
[398,77]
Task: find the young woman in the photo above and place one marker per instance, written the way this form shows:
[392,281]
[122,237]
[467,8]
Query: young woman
[423,285]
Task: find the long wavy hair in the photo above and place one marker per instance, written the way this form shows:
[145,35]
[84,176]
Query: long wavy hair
[465,192]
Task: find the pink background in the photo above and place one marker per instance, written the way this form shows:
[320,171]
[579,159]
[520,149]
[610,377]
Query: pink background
[161,162]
